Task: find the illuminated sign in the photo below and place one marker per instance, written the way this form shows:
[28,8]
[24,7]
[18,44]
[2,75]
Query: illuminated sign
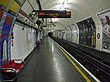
[53,14]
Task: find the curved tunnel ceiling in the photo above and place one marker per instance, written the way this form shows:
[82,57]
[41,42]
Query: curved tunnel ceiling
[80,9]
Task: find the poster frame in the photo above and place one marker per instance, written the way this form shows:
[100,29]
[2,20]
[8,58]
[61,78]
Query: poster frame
[78,30]
[101,26]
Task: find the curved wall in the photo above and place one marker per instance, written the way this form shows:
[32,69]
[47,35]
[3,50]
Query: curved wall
[24,41]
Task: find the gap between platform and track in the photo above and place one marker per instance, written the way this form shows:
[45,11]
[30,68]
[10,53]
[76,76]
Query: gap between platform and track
[68,55]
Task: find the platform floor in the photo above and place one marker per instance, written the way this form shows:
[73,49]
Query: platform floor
[48,64]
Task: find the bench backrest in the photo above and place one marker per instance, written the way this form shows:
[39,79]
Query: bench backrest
[9,64]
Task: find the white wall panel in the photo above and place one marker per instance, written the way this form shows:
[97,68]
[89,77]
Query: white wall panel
[24,41]
[15,50]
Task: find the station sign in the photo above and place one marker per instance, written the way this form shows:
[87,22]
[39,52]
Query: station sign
[53,14]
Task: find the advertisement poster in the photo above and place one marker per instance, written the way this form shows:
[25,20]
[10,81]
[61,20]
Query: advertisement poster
[74,33]
[68,33]
[3,2]
[87,32]
[14,7]
[105,20]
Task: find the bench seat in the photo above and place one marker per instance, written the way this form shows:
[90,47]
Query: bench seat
[11,68]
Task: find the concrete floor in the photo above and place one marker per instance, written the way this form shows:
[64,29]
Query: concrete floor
[48,64]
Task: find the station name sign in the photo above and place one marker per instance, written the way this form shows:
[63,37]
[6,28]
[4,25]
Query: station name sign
[53,14]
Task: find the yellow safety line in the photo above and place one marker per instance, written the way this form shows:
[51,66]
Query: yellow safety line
[79,70]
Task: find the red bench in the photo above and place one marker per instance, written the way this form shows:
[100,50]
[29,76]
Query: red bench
[11,68]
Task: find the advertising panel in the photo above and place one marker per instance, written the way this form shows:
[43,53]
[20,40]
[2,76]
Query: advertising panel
[3,2]
[14,7]
[87,32]
[105,21]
